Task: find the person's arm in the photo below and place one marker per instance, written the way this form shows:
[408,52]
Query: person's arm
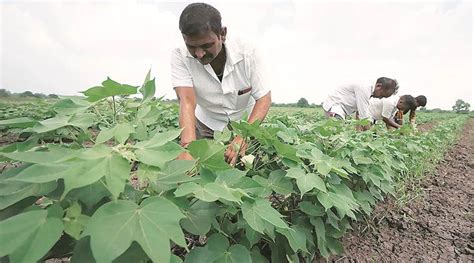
[187,120]
[182,82]
[412,116]
[390,122]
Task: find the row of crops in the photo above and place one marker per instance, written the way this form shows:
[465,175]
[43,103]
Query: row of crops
[99,182]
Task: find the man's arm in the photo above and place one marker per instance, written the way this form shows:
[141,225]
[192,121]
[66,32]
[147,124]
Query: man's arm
[187,120]
[261,108]
[412,116]
[259,112]
[391,123]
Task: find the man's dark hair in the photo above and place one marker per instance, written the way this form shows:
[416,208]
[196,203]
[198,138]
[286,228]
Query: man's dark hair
[421,101]
[410,102]
[388,84]
[198,18]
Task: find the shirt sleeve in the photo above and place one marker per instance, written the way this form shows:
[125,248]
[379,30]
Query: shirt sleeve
[180,75]
[362,96]
[258,75]
[388,108]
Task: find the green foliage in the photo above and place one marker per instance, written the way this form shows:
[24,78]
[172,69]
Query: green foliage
[116,193]
[461,107]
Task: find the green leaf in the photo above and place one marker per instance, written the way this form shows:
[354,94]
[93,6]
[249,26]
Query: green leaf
[306,181]
[121,132]
[199,217]
[359,157]
[90,194]
[320,230]
[148,88]
[295,236]
[22,122]
[311,209]
[259,212]
[75,221]
[45,235]
[279,183]
[159,156]
[71,106]
[209,192]
[175,171]
[158,140]
[217,250]
[16,230]
[13,192]
[55,154]
[230,176]
[209,153]
[109,88]
[286,151]
[115,225]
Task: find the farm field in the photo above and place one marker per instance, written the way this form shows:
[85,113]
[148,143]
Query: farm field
[95,179]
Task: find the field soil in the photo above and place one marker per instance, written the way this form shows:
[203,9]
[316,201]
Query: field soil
[439,227]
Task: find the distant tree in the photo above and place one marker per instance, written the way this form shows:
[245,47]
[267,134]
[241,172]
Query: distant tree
[39,95]
[461,106]
[5,93]
[303,103]
[53,96]
[26,94]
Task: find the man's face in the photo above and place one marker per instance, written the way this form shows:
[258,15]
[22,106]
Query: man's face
[379,92]
[401,105]
[205,46]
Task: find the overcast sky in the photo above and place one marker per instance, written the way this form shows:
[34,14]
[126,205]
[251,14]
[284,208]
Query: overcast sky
[310,48]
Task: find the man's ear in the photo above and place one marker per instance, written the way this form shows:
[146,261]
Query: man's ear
[223,33]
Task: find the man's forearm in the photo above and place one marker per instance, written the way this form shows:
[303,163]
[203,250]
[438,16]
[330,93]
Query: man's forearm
[187,122]
[391,123]
[261,108]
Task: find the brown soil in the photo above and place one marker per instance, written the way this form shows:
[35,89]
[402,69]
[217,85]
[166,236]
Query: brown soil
[436,228]
[425,127]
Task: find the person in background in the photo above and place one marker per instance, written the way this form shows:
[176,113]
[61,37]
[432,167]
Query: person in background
[217,80]
[420,101]
[386,108]
[350,99]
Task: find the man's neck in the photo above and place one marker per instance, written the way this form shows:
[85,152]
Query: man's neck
[219,62]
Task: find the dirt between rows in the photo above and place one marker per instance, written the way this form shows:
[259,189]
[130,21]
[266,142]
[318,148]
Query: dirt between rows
[439,227]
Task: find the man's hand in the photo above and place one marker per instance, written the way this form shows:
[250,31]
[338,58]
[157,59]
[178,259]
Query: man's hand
[236,147]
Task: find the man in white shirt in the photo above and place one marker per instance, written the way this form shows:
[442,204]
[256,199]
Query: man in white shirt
[350,99]
[216,81]
[386,108]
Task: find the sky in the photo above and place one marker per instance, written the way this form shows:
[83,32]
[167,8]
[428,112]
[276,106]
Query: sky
[309,47]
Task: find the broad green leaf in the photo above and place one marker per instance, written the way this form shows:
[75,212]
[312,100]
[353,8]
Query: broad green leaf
[209,192]
[230,176]
[46,234]
[252,236]
[286,150]
[306,181]
[115,225]
[311,209]
[109,88]
[199,217]
[175,171]
[209,154]
[217,250]
[90,194]
[75,221]
[360,157]
[320,231]
[279,183]
[22,122]
[259,212]
[16,230]
[71,106]
[159,156]
[295,236]
[159,139]
[121,132]
[13,192]
[54,154]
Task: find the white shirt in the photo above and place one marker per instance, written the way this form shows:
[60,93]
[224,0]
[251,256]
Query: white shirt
[218,102]
[351,98]
[386,107]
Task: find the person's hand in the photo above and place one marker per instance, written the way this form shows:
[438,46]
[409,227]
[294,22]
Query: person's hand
[185,156]
[236,147]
